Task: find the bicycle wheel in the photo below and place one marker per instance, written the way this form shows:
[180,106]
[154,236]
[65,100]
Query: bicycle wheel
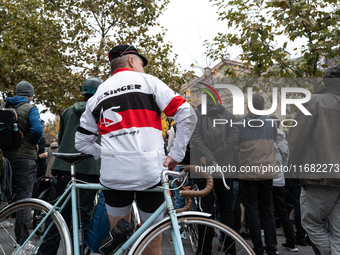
[198,234]
[21,215]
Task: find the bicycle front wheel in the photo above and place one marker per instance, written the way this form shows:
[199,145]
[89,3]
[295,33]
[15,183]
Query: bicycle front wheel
[198,235]
[16,225]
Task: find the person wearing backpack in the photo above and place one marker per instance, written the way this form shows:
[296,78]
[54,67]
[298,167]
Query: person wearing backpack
[23,158]
[213,145]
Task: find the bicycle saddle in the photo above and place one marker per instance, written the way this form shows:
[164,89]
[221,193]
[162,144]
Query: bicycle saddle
[71,158]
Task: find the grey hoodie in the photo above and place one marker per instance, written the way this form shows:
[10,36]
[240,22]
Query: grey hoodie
[282,155]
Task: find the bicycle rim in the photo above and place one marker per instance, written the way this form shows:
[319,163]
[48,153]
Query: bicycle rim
[198,235]
[16,225]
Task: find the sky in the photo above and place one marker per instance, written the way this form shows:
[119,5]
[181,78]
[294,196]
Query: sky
[189,24]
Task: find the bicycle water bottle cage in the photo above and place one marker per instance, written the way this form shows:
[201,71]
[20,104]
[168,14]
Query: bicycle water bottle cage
[117,236]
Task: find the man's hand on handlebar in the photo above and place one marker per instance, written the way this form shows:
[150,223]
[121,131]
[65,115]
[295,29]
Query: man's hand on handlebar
[170,163]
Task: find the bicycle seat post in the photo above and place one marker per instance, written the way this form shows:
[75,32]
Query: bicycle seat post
[73,171]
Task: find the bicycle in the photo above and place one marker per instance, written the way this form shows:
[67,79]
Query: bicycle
[174,225]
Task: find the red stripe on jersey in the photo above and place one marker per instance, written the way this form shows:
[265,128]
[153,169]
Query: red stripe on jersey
[172,107]
[121,70]
[129,119]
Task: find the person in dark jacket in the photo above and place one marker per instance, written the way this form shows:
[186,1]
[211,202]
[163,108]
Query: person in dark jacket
[314,145]
[87,170]
[215,145]
[23,159]
[256,149]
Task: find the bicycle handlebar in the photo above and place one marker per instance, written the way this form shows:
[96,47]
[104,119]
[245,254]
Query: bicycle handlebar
[192,193]
[198,193]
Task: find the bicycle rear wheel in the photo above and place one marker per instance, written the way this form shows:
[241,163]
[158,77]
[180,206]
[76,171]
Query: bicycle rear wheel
[195,232]
[21,215]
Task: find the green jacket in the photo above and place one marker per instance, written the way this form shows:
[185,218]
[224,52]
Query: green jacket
[69,121]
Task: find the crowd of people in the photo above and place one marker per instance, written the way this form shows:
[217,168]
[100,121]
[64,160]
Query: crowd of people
[119,123]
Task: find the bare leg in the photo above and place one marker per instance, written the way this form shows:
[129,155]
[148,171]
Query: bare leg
[114,219]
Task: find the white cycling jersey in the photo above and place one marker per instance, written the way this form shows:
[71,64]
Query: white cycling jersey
[126,112]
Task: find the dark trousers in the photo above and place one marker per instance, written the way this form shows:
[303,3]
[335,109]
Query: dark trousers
[224,200]
[24,173]
[279,197]
[51,241]
[258,200]
[294,190]
[236,205]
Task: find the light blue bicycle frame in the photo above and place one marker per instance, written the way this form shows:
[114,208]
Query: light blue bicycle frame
[71,193]
[166,206]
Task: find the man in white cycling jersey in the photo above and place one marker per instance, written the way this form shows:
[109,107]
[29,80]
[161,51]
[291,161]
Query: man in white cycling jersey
[126,111]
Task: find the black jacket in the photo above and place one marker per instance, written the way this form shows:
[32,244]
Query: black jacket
[214,143]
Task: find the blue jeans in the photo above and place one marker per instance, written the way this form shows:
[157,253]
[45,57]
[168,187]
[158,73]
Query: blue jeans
[258,200]
[24,173]
[180,201]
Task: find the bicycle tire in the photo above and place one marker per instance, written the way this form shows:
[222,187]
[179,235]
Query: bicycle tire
[13,237]
[241,246]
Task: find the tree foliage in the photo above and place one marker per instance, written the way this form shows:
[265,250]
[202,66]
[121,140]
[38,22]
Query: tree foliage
[31,48]
[264,29]
[57,44]
[52,129]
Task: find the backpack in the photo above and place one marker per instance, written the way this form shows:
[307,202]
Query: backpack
[10,135]
[186,159]
[5,183]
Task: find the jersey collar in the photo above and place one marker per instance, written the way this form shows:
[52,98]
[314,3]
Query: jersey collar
[121,70]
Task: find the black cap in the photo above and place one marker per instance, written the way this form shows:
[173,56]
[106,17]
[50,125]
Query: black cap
[122,50]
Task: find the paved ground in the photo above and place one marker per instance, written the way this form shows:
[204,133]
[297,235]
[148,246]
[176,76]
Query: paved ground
[303,250]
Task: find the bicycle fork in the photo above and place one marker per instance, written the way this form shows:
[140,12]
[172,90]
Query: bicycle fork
[175,233]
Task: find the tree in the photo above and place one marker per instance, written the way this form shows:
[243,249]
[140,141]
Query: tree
[52,129]
[32,48]
[82,34]
[264,29]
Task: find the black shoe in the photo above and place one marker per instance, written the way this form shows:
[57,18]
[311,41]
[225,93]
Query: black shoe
[301,242]
[245,235]
[289,247]
[265,248]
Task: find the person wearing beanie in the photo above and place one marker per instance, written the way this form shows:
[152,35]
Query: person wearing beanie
[87,170]
[23,159]
[24,88]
